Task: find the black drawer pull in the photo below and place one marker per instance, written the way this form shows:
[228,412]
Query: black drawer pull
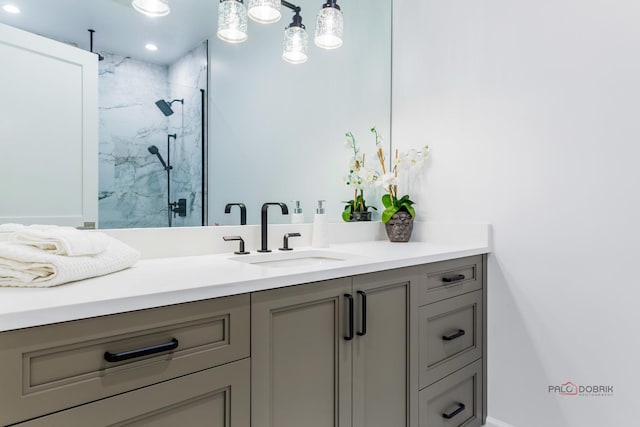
[349,336]
[458,334]
[449,415]
[453,278]
[363,332]
[139,352]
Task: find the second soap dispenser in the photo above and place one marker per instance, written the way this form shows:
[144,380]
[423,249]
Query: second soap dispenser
[320,236]
[297,217]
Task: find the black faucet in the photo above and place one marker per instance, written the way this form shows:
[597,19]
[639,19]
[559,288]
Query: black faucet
[243,211]
[263,223]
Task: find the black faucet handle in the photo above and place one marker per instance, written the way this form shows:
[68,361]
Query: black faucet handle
[241,250]
[285,241]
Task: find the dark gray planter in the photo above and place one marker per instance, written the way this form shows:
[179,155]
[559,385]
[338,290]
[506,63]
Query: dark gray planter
[360,216]
[399,227]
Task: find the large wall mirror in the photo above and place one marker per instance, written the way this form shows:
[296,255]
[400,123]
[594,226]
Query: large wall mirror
[235,121]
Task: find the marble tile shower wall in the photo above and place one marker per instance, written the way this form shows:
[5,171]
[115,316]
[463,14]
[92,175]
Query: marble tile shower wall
[187,76]
[132,182]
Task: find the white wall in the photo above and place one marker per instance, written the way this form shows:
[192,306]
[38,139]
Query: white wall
[531,110]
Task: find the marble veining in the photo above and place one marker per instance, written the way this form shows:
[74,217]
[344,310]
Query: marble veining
[132,182]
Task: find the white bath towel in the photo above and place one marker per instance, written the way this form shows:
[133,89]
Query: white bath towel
[10,227]
[61,240]
[27,266]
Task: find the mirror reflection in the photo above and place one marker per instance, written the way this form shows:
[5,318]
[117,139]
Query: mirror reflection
[151,141]
[246,126]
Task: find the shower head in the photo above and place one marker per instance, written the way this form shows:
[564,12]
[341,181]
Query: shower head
[165,106]
[154,150]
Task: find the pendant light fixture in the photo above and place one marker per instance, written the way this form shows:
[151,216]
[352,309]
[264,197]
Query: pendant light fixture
[232,21]
[329,26]
[152,8]
[264,11]
[232,25]
[296,41]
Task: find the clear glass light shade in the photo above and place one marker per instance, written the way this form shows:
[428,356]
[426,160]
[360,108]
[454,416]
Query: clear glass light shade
[295,45]
[152,7]
[329,28]
[232,21]
[265,11]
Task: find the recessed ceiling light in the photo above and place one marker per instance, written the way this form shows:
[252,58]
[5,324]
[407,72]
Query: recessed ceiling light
[10,8]
[152,8]
[151,46]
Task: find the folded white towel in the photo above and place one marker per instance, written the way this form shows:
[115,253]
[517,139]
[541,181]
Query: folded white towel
[27,266]
[62,240]
[10,227]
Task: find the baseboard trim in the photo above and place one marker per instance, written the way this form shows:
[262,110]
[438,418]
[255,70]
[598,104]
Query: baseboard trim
[492,422]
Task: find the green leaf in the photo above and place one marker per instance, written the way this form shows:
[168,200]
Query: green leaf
[405,199]
[388,213]
[346,214]
[411,211]
[386,201]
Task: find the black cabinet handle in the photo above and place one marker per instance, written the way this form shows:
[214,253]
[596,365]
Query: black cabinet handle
[363,296]
[139,352]
[349,298]
[453,278]
[458,334]
[449,415]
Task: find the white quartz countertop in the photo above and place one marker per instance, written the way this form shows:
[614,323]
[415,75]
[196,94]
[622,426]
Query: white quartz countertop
[164,281]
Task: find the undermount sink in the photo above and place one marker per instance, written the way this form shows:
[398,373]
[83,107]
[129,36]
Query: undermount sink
[295,258]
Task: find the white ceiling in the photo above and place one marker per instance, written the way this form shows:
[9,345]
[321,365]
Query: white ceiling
[119,28]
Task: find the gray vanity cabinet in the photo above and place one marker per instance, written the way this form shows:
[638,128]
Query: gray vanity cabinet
[136,368]
[395,348]
[384,358]
[300,362]
[335,353]
[216,397]
[452,341]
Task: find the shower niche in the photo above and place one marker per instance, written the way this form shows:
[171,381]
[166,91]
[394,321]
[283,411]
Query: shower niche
[151,141]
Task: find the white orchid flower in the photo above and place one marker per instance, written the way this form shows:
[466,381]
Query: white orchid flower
[387,179]
[425,151]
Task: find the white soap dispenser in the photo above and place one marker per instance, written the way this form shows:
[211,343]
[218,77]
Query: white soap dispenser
[320,237]
[297,217]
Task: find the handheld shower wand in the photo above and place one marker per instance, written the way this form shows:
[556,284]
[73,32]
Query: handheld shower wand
[154,150]
[179,206]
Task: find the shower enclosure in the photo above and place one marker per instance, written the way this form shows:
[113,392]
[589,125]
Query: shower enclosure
[152,141]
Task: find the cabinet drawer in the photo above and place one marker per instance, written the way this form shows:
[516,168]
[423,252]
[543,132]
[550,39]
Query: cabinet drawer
[53,367]
[450,336]
[451,278]
[454,401]
[216,397]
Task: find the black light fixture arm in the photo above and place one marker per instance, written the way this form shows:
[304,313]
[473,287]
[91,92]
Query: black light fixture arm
[297,18]
[291,6]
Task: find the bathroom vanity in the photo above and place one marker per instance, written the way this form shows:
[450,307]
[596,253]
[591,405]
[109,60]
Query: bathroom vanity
[394,335]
